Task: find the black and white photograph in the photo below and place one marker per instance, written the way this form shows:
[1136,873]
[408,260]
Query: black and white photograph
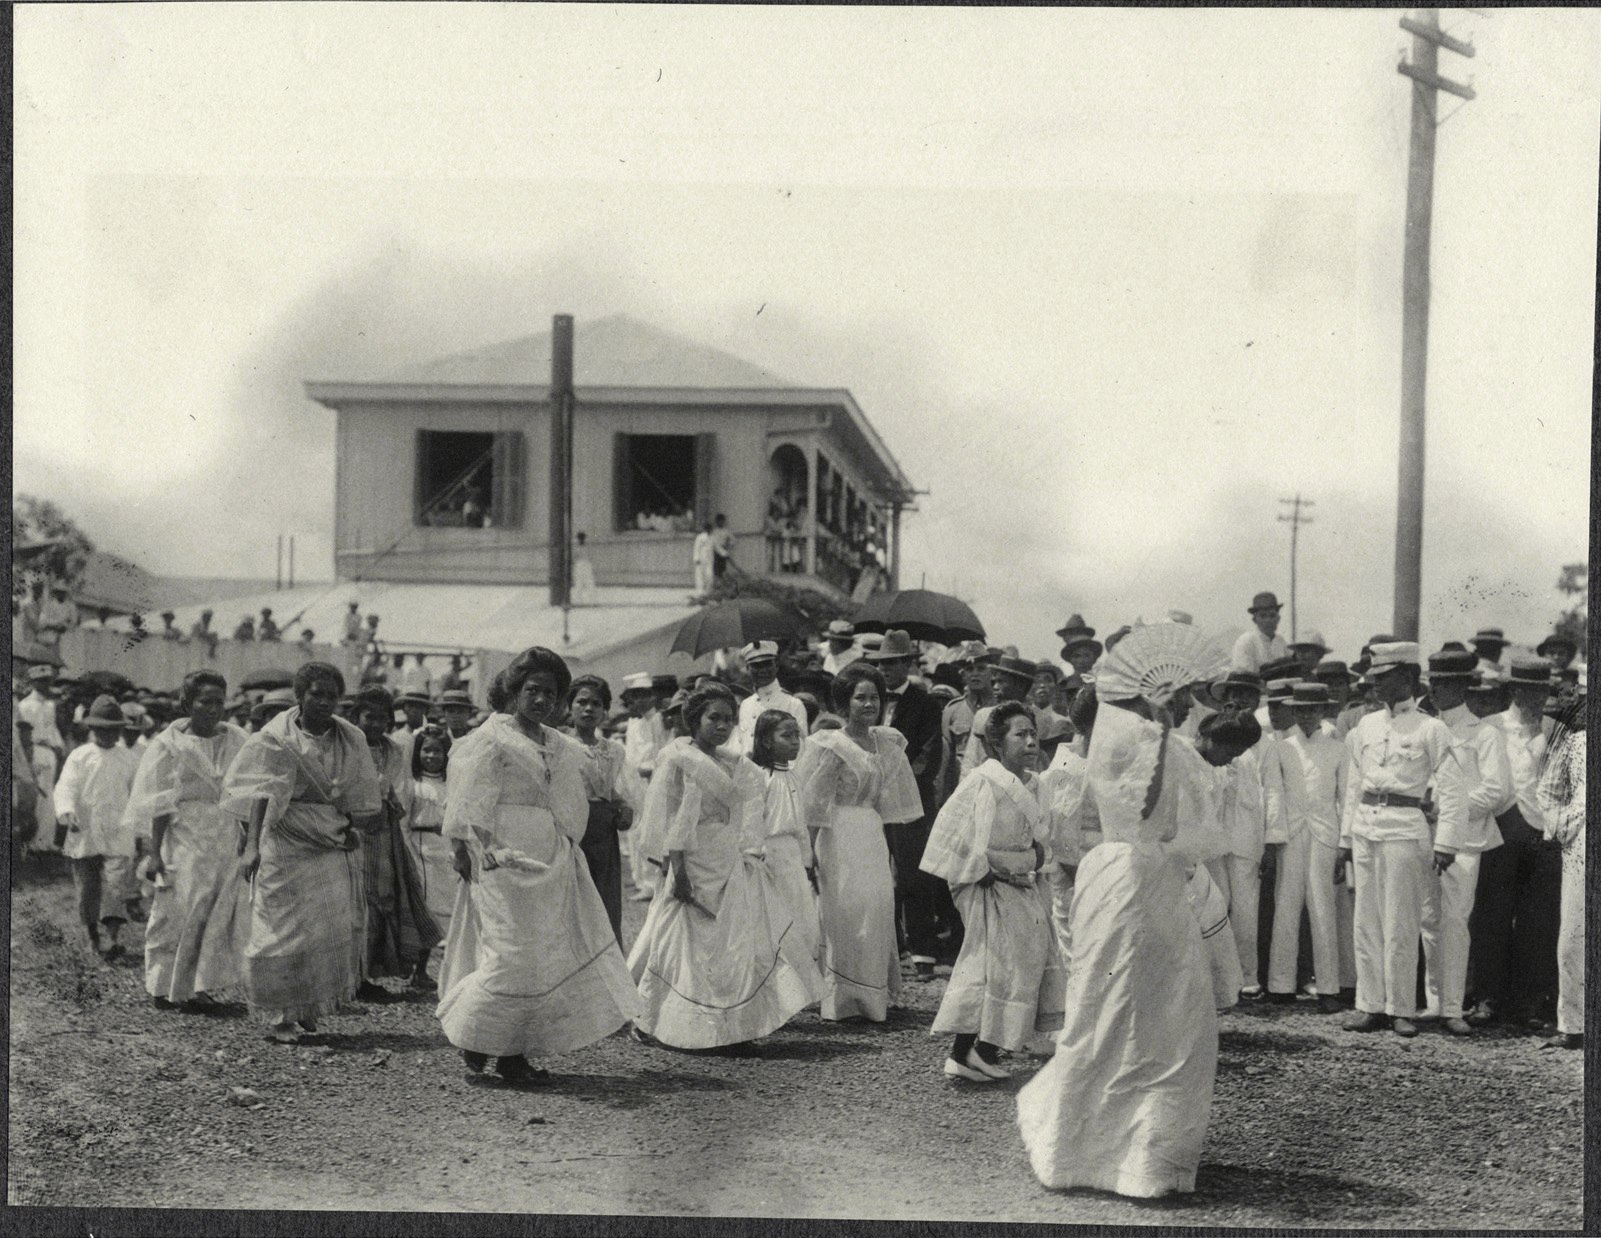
[647,615]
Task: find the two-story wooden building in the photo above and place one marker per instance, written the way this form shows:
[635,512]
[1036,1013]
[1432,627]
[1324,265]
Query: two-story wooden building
[443,470]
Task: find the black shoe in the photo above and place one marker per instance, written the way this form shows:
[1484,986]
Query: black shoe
[161,1003]
[367,991]
[1366,1021]
[923,972]
[1327,1003]
[1348,998]
[1481,1015]
[1565,1040]
[1281,999]
[520,1072]
[475,1061]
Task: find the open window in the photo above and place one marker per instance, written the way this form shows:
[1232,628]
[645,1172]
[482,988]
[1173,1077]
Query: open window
[662,482]
[471,479]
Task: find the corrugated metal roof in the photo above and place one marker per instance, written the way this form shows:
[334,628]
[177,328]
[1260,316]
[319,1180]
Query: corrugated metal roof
[452,616]
[615,351]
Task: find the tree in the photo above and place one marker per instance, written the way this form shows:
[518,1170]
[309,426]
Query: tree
[36,520]
[819,609]
[1574,623]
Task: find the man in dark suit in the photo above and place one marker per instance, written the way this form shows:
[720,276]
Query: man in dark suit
[922,903]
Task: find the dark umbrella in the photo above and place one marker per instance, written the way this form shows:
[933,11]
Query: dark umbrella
[268,677]
[922,614]
[109,683]
[736,623]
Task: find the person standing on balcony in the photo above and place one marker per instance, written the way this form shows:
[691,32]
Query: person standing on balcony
[722,546]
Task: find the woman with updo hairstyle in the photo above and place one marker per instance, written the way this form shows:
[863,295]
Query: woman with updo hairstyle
[853,781]
[531,965]
[198,911]
[718,961]
[306,786]
[990,843]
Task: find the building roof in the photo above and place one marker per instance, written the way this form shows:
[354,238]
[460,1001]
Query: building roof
[114,583]
[615,351]
[449,617]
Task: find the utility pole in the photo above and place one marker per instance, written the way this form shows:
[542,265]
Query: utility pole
[1296,520]
[561,462]
[1427,39]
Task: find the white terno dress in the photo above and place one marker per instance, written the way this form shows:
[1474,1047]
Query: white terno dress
[1075,829]
[1124,1103]
[200,915]
[425,837]
[789,854]
[731,965]
[1008,982]
[849,793]
[531,967]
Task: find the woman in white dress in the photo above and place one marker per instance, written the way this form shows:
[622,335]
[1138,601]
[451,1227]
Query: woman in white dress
[1124,1103]
[854,780]
[531,966]
[789,846]
[199,913]
[430,764]
[718,961]
[989,843]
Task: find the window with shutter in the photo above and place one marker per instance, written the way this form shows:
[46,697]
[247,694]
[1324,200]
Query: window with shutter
[656,481]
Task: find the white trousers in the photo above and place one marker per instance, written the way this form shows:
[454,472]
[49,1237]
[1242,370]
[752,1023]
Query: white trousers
[1392,880]
[1446,908]
[1240,879]
[1305,879]
[1570,941]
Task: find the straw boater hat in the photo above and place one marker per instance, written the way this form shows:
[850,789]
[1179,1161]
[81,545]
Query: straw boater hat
[1311,695]
[1280,668]
[1281,691]
[1453,664]
[1263,601]
[1529,673]
[414,697]
[966,653]
[897,644]
[104,714]
[1312,640]
[1332,670]
[455,698]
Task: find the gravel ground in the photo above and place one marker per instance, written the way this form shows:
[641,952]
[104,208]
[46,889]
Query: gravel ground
[114,1103]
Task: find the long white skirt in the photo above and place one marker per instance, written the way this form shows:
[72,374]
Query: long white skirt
[721,976]
[433,855]
[531,965]
[856,906]
[200,919]
[787,864]
[1211,910]
[1008,982]
[1124,1103]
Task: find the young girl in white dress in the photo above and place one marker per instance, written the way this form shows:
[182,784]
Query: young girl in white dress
[789,846]
[430,763]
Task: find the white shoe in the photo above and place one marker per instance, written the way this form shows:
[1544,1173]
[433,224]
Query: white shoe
[974,1062]
[956,1070]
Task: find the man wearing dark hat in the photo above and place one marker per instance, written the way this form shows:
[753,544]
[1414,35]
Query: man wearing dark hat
[1260,642]
[1012,678]
[972,662]
[1343,713]
[1516,911]
[1395,752]
[456,706]
[1559,649]
[1080,649]
[90,797]
[913,712]
[1448,907]
[1306,875]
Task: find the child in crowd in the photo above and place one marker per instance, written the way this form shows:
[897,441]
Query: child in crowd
[789,847]
[89,800]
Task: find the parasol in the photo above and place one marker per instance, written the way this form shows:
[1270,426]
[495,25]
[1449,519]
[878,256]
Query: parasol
[736,623]
[922,614]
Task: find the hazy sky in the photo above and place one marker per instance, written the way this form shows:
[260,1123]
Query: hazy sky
[1108,282]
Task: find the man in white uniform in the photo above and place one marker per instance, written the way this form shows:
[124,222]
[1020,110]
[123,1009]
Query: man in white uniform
[761,660]
[1395,752]
[1449,903]
[1260,643]
[1306,872]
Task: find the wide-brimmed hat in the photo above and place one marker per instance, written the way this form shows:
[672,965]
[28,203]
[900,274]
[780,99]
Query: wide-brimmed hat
[1332,670]
[1553,641]
[1280,668]
[1490,636]
[840,629]
[1263,601]
[1075,629]
[760,651]
[1281,691]
[664,683]
[1048,668]
[455,698]
[1529,673]
[897,644]
[1237,679]
[1080,642]
[1019,668]
[1453,664]
[104,714]
[1312,640]
[1391,654]
[637,682]
[1311,694]
[414,698]
[41,674]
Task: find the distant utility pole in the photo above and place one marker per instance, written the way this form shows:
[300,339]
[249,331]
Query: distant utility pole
[1427,39]
[1296,520]
[560,572]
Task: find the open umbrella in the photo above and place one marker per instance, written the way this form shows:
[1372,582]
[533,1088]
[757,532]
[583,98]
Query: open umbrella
[922,614]
[268,677]
[736,623]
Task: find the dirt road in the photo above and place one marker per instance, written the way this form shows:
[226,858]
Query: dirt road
[116,1104]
